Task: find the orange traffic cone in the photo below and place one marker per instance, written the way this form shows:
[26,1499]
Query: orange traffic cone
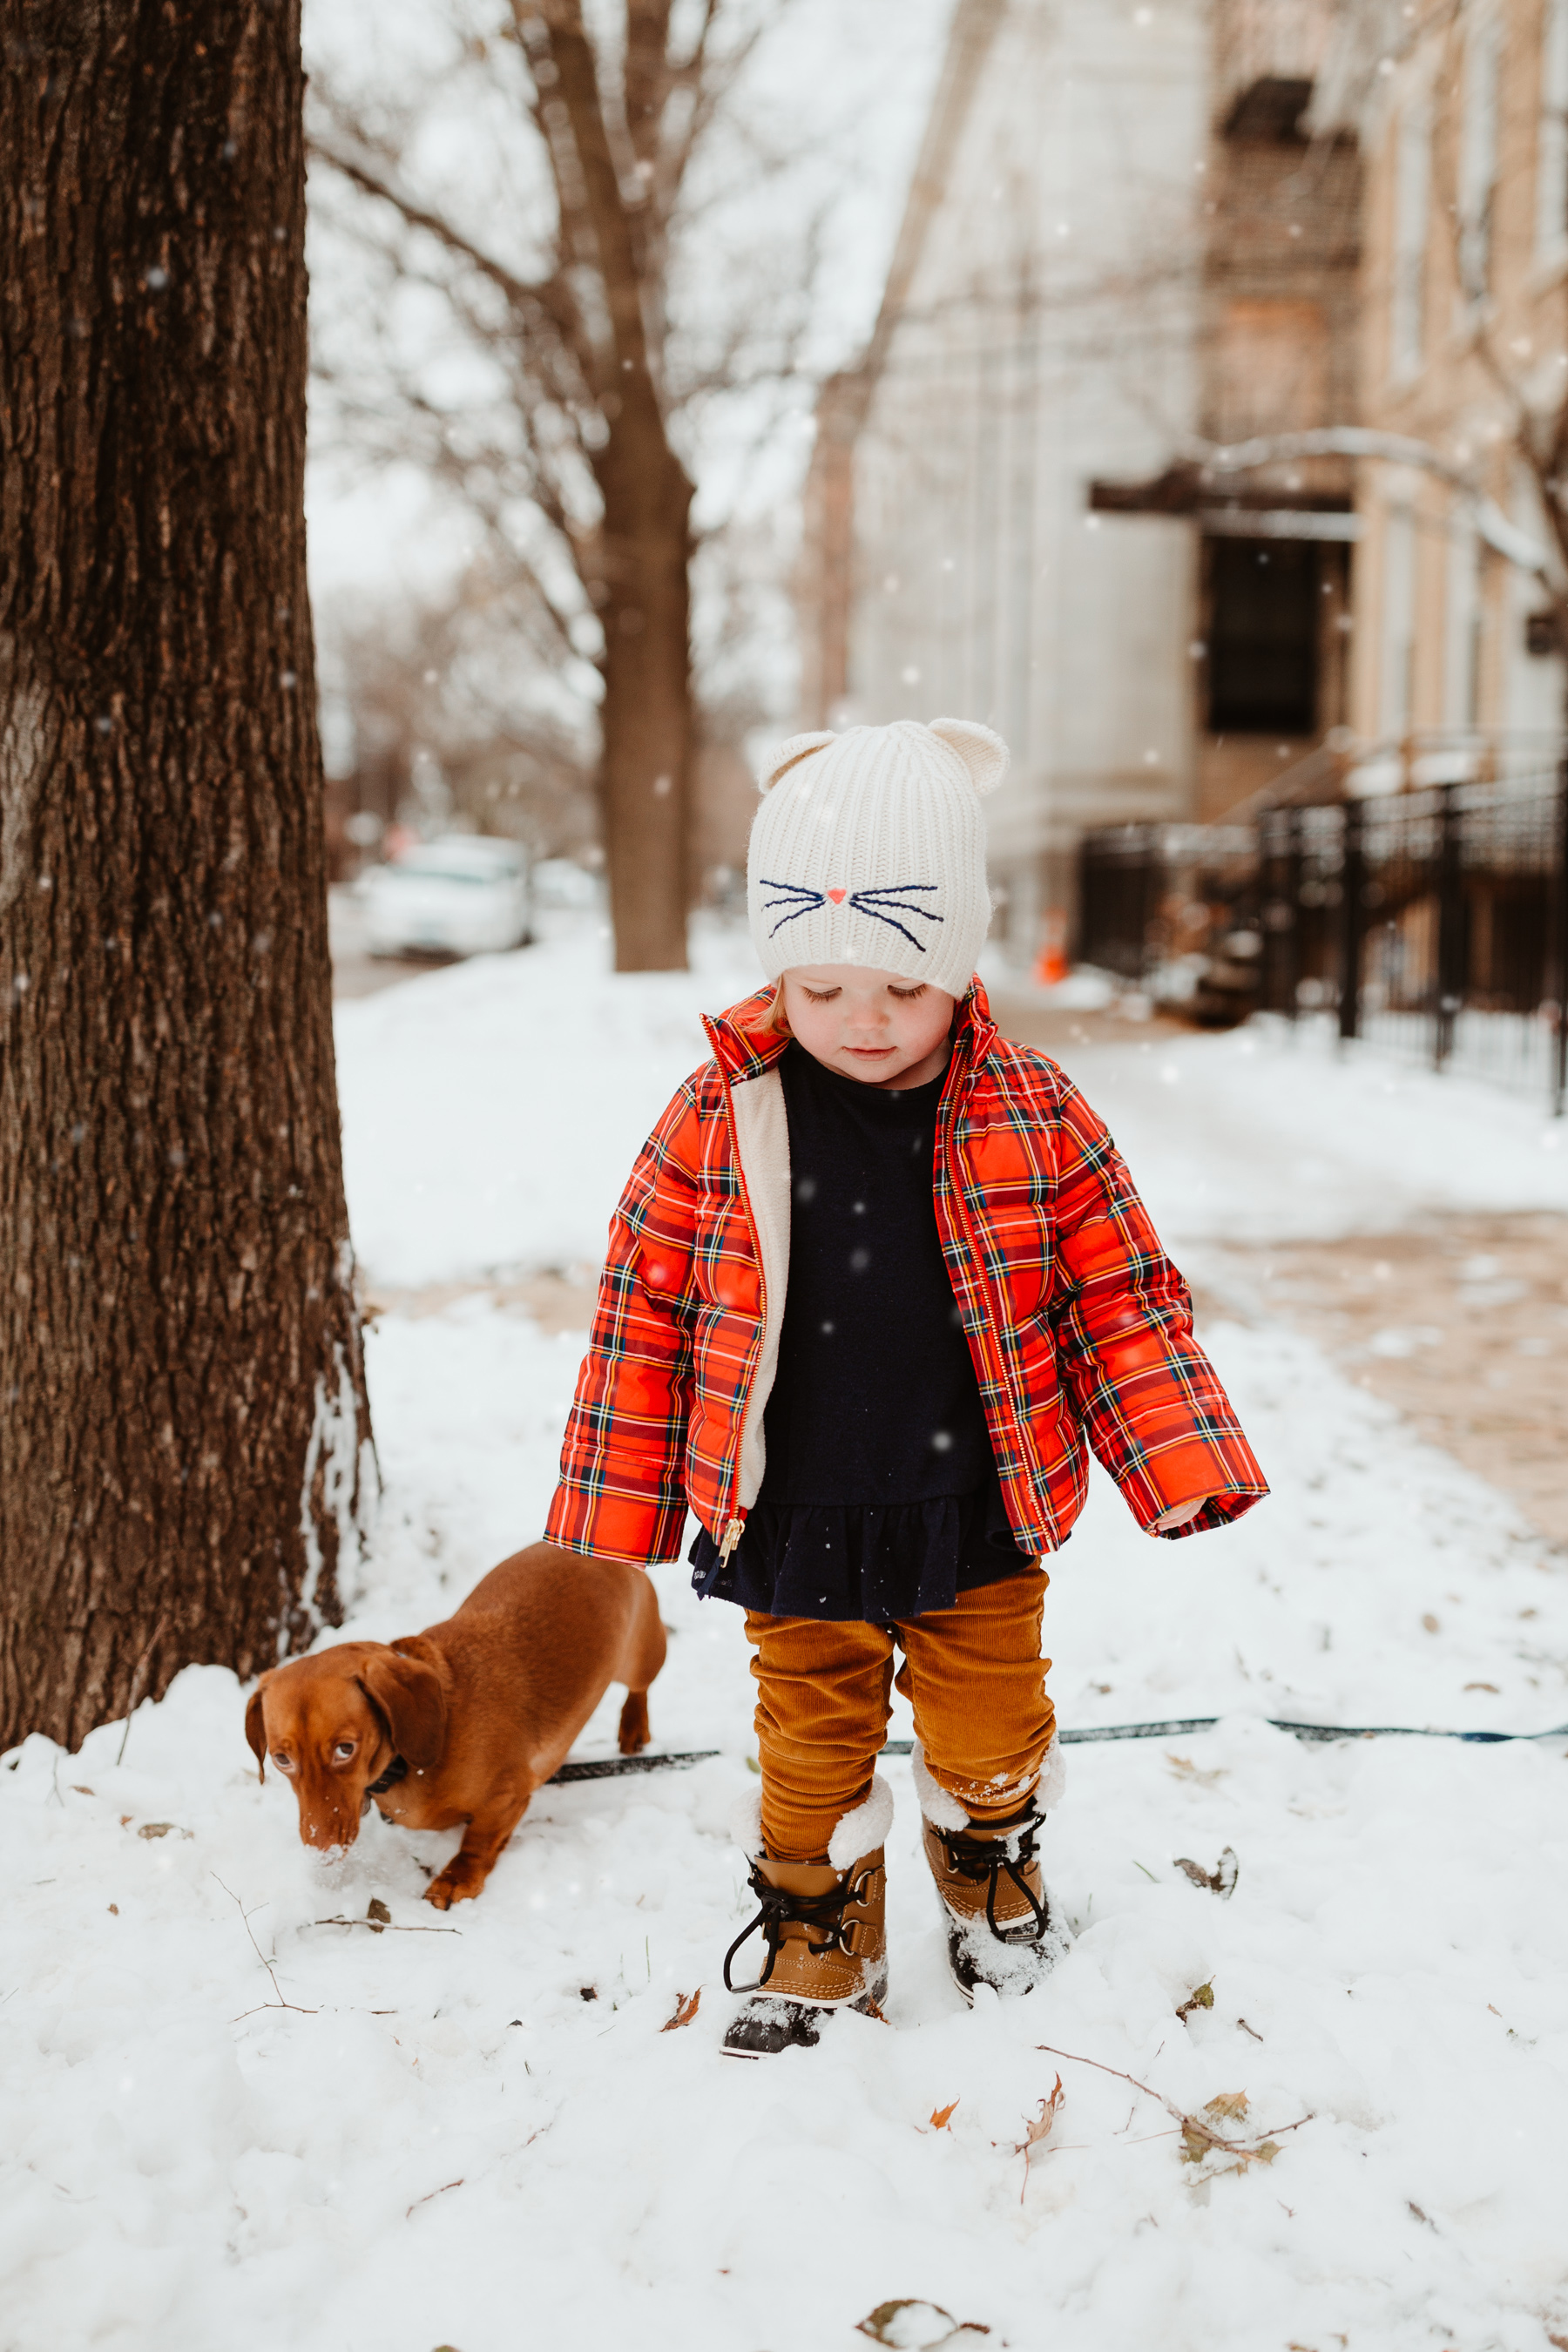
[1051,963]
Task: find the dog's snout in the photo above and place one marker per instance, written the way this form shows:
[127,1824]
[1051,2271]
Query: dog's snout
[326,1828]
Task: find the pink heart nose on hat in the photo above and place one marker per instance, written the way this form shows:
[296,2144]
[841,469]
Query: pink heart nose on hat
[839,896]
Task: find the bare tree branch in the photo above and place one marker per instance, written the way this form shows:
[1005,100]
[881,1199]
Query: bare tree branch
[1393,449]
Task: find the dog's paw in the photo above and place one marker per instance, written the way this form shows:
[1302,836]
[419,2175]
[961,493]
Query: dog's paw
[454,1886]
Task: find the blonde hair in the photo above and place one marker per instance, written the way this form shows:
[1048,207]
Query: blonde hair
[774,1021]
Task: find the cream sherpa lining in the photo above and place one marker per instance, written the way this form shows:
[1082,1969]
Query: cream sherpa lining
[762,1145]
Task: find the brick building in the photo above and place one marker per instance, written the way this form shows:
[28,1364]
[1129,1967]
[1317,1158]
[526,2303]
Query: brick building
[1463,114]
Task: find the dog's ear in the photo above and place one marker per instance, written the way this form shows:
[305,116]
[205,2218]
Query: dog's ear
[256,1729]
[405,1691]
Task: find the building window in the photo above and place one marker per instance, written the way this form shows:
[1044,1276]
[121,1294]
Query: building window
[1551,150]
[1262,636]
[1478,161]
[1412,200]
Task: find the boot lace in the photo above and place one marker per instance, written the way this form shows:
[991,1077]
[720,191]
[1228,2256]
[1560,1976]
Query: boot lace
[988,1859]
[821,1915]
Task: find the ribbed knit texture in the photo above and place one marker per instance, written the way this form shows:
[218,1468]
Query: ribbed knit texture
[869,848]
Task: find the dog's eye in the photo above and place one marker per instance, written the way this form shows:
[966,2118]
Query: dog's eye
[284,1763]
[343,1750]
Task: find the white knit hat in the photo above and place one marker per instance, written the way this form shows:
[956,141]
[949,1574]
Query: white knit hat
[869,848]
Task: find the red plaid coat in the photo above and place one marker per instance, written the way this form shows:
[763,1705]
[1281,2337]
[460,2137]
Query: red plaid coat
[1080,1325]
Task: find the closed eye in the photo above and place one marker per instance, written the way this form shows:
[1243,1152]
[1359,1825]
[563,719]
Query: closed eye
[822,995]
[907,996]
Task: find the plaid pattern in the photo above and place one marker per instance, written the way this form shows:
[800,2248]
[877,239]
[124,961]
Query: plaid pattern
[1080,1325]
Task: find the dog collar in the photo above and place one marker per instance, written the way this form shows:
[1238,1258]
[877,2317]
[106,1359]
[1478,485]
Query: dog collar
[397,1771]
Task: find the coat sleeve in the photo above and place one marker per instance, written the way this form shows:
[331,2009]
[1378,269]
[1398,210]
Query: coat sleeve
[1145,1394]
[622,1490]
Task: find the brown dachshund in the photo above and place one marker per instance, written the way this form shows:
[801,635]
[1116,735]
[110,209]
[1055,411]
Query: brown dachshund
[458,1725]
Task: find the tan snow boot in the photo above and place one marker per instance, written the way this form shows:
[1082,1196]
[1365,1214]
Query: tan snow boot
[826,1949]
[1000,1929]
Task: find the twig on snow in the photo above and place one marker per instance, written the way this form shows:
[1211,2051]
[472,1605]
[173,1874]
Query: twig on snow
[433,2192]
[1199,2139]
[279,2002]
[381,1926]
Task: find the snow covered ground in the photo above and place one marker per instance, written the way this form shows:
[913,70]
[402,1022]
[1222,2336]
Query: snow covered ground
[228,2125]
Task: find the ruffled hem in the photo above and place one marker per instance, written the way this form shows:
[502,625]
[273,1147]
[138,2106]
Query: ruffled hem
[863,1562]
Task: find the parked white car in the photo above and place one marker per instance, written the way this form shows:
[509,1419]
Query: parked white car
[463,895]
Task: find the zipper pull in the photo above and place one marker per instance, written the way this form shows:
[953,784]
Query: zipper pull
[733,1534]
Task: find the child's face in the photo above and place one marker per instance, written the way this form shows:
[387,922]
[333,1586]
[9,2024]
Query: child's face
[871,1025]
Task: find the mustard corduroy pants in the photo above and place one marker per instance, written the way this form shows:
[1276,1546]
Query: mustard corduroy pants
[972,1674]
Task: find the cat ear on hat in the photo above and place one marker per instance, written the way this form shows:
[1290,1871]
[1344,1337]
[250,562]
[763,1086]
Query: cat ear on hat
[985,755]
[797,748]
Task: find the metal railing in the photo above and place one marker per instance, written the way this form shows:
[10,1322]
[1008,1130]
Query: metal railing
[1433,922]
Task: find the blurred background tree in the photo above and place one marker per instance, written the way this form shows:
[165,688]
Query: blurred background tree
[565,281]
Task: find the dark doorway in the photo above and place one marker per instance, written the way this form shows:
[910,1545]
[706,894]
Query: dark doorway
[1263,636]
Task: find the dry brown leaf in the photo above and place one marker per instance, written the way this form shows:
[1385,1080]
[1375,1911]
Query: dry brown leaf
[942,2116]
[1185,1769]
[1221,1880]
[378,1917]
[1041,2129]
[1230,2104]
[909,2320]
[1202,1996]
[686,2008]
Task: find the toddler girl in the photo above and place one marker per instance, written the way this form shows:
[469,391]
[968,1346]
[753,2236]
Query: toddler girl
[877,1276]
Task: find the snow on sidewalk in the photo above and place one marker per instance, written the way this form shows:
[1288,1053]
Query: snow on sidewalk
[479,2135]
[491,1112]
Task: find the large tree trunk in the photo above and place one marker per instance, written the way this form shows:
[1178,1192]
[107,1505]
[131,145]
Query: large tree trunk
[647,714]
[183,1439]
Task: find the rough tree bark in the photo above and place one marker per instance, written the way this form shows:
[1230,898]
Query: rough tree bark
[183,1439]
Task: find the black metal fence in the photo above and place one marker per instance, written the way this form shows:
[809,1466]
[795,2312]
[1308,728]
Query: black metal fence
[1433,922]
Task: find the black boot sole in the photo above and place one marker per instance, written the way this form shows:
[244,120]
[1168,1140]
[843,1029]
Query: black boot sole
[967,1976]
[768,2027]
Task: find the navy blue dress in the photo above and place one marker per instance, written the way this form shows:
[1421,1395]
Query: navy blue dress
[881,1498]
